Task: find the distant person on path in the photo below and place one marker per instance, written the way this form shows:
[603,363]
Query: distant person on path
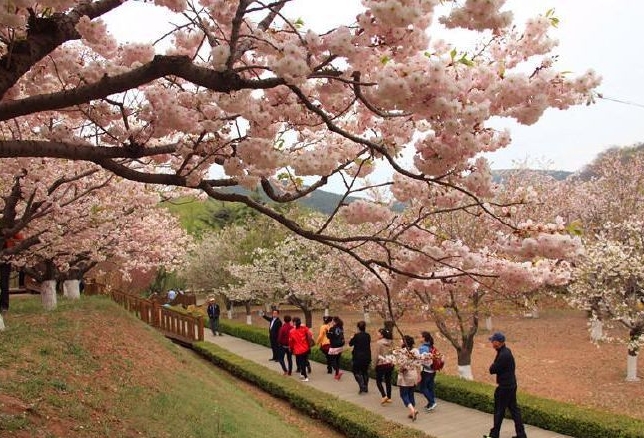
[336,338]
[275,323]
[361,356]
[384,366]
[214,311]
[505,395]
[284,348]
[172,294]
[299,344]
[323,341]
[427,373]
[408,378]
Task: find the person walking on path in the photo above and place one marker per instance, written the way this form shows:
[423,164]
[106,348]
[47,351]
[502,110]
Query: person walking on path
[275,323]
[427,373]
[384,365]
[284,348]
[214,311]
[361,356]
[408,378]
[505,394]
[336,338]
[324,343]
[299,343]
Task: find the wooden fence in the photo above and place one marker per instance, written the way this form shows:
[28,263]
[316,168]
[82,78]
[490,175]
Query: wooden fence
[175,325]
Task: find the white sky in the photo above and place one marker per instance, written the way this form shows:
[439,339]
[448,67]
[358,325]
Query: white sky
[607,36]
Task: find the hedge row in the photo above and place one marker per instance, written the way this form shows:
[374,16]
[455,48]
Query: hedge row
[351,420]
[564,418]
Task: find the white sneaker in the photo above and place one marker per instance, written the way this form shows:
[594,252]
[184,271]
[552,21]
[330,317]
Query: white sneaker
[304,379]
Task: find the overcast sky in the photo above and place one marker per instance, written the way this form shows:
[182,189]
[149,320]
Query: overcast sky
[607,36]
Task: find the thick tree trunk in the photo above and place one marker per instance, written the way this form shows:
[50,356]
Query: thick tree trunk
[71,289]
[465,364]
[308,317]
[465,372]
[488,323]
[631,367]
[365,315]
[596,330]
[249,316]
[48,294]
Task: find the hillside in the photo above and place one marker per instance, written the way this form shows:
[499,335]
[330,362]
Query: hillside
[90,369]
[194,215]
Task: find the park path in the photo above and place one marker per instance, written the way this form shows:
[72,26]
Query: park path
[449,420]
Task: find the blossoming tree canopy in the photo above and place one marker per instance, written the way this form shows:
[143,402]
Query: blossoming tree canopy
[247,93]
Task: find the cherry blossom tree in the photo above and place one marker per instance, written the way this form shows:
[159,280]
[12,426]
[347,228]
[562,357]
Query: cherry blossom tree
[609,282]
[247,94]
[296,271]
[206,266]
[74,221]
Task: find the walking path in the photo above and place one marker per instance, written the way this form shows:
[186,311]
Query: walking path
[449,420]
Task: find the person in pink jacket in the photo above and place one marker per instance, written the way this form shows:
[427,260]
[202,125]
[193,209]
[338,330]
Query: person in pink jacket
[298,341]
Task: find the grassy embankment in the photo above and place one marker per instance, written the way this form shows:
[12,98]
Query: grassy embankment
[91,369]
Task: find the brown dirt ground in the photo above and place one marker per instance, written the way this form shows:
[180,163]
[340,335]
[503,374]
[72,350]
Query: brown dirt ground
[555,358]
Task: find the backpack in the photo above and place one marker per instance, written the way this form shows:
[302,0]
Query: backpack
[309,339]
[438,360]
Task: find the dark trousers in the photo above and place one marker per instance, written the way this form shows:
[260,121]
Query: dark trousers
[275,347]
[214,326]
[383,375]
[506,398]
[5,272]
[407,395]
[284,351]
[360,371]
[325,350]
[302,361]
[427,386]
[334,360]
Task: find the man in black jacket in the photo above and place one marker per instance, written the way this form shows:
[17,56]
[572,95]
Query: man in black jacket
[275,324]
[505,395]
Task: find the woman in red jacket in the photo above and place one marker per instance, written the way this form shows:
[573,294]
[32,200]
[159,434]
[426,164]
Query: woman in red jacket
[298,341]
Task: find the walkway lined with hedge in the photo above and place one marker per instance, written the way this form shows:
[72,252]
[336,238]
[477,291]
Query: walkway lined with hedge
[447,421]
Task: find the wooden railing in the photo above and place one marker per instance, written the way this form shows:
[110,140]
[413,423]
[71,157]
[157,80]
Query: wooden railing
[178,326]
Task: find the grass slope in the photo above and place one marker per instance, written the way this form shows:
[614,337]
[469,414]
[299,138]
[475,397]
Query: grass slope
[91,369]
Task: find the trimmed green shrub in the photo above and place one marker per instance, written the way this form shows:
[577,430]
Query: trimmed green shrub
[353,421]
[564,418]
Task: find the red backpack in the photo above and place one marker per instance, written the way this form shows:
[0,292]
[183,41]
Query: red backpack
[438,359]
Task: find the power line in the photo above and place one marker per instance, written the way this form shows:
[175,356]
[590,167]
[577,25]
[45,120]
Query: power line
[625,102]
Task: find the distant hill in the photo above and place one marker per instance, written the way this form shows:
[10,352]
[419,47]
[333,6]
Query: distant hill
[319,200]
[193,212]
[559,175]
[326,202]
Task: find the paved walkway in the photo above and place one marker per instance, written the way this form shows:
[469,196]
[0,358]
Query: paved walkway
[447,421]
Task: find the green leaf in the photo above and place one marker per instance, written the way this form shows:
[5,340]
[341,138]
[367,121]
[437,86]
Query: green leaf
[574,228]
[299,22]
[453,54]
[466,61]
[385,59]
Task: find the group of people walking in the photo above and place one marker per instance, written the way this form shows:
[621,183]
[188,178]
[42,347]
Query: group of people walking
[292,338]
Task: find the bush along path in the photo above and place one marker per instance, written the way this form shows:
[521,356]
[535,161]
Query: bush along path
[338,402]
